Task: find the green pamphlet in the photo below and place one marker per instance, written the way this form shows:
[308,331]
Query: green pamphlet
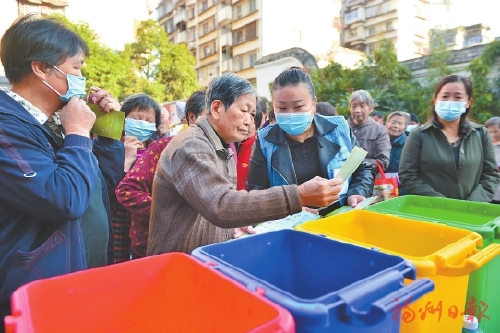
[109,125]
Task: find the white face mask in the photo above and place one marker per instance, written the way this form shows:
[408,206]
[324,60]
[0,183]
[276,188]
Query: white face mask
[409,128]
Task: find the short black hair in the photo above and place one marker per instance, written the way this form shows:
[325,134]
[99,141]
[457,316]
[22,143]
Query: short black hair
[414,118]
[378,114]
[195,104]
[326,109]
[260,111]
[142,102]
[31,38]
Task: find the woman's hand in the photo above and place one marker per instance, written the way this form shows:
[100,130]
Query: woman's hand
[238,232]
[354,200]
[310,210]
[102,98]
[131,145]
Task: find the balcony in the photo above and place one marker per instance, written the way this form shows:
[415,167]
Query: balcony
[351,3]
[357,15]
[226,39]
[190,3]
[224,14]
[206,30]
[355,39]
[207,52]
[179,17]
[181,37]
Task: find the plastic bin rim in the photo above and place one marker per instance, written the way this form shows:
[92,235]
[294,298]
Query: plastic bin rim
[272,290]
[488,228]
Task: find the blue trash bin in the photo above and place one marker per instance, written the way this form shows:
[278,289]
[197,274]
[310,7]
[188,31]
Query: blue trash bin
[325,284]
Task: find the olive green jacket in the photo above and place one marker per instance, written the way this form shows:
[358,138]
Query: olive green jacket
[428,167]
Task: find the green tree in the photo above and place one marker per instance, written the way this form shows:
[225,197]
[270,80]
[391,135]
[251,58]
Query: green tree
[486,93]
[165,70]
[389,82]
[105,68]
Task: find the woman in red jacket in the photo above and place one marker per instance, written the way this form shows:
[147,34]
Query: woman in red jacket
[245,147]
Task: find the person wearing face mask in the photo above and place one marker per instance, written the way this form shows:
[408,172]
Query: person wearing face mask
[142,120]
[134,191]
[450,156]
[303,144]
[49,183]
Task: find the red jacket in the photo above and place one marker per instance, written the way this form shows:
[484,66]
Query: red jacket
[244,152]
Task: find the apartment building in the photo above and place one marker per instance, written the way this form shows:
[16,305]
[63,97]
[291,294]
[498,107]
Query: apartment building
[461,37]
[231,35]
[404,22]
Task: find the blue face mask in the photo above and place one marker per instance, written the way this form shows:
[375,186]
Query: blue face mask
[76,86]
[141,129]
[294,123]
[449,110]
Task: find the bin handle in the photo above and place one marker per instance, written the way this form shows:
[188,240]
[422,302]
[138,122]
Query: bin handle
[495,224]
[391,304]
[468,265]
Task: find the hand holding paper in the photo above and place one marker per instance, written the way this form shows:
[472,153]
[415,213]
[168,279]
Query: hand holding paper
[109,125]
[355,159]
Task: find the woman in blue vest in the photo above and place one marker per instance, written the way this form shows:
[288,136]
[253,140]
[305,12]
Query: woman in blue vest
[303,145]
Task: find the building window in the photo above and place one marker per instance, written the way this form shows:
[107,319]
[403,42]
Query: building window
[353,33]
[239,64]
[205,28]
[251,5]
[204,5]
[450,40]
[388,26]
[252,59]
[239,12]
[238,38]
[351,16]
[207,50]
[372,31]
[473,40]
[251,31]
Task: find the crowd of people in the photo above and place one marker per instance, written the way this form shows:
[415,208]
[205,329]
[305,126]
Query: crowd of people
[73,200]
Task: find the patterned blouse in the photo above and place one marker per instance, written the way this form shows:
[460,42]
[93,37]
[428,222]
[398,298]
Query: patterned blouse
[134,193]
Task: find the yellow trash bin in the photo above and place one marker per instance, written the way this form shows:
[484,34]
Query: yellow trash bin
[445,254]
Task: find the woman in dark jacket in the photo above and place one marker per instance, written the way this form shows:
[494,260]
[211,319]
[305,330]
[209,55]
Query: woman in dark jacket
[450,156]
[396,127]
[303,145]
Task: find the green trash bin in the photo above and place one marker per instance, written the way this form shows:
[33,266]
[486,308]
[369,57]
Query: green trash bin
[480,217]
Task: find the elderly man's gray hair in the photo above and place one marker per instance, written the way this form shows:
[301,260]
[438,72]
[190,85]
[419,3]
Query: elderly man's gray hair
[227,88]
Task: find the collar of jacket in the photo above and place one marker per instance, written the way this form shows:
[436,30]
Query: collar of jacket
[326,153]
[214,138]
[399,141]
[472,127]
[321,126]
[368,121]
[11,106]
